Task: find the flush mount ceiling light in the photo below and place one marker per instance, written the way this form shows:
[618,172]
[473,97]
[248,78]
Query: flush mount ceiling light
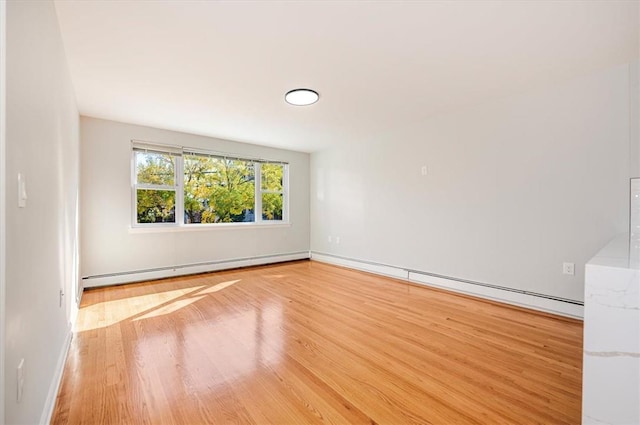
[301,97]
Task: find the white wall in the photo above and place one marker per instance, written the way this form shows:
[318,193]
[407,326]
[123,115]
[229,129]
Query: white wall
[109,245]
[42,143]
[634,118]
[3,116]
[514,188]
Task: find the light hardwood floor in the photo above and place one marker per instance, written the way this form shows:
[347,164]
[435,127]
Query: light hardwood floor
[305,342]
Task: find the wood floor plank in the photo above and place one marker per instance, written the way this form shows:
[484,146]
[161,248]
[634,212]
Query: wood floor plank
[305,342]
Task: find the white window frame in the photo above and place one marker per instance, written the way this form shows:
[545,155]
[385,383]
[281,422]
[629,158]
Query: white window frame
[178,152]
[260,192]
[179,206]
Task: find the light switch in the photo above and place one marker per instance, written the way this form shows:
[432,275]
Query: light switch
[20,381]
[22,191]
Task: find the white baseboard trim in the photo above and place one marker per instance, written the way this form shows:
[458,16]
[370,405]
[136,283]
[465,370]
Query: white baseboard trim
[54,387]
[381,269]
[534,302]
[182,270]
[490,292]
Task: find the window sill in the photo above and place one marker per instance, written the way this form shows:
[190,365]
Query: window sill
[160,228]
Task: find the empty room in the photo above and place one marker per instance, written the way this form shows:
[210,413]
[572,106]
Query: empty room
[305,212]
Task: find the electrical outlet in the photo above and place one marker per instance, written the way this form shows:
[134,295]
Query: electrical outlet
[338,240]
[569,268]
[423,170]
[20,380]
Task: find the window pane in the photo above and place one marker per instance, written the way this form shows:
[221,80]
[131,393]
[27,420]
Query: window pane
[272,206]
[156,206]
[272,175]
[155,168]
[218,190]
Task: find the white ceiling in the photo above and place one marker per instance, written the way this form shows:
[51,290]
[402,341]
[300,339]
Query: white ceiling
[221,69]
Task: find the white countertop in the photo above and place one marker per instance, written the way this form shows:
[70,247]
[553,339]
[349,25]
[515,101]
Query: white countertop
[616,254]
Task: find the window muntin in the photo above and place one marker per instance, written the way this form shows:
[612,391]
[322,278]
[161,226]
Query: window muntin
[176,186]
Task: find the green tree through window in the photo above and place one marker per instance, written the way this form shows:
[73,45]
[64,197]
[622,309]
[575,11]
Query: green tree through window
[155,194]
[272,190]
[218,190]
[185,187]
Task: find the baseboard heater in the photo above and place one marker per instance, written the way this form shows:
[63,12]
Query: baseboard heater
[543,302]
[108,279]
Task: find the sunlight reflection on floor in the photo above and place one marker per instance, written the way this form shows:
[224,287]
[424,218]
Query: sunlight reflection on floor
[107,313]
[170,308]
[140,307]
[218,287]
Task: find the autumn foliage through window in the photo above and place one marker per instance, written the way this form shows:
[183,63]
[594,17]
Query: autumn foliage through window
[206,189]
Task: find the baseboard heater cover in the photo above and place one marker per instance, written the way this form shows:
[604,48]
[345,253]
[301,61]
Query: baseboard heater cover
[186,269]
[522,298]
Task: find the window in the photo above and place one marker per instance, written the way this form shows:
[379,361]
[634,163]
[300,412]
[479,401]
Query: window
[272,190]
[175,186]
[218,190]
[155,186]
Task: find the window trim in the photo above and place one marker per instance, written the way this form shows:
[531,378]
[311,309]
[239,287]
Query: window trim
[178,152]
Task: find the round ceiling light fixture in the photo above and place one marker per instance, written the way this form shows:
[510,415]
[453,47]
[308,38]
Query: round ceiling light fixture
[301,97]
